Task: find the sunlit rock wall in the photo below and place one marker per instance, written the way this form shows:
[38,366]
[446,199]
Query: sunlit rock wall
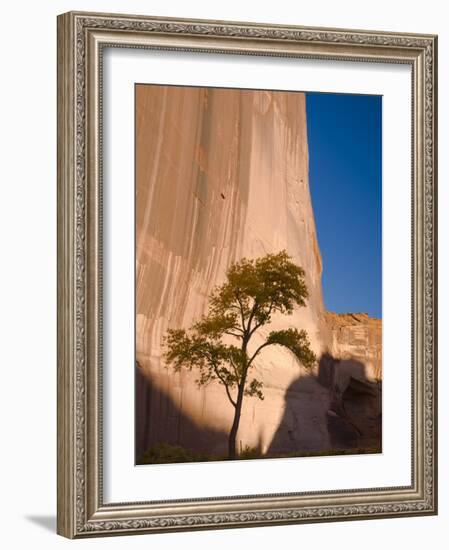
[222,174]
[358,337]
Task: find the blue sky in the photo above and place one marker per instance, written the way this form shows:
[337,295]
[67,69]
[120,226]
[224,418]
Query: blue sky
[345,173]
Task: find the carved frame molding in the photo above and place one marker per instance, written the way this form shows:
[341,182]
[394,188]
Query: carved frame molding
[81,39]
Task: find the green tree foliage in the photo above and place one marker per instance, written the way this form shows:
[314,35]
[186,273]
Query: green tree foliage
[253,292]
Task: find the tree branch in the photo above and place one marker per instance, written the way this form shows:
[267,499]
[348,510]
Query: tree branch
[258,325]
[242,314]
[233,333]
[251,317]
[233,403]
[258,350]
[217,372]
[224,384]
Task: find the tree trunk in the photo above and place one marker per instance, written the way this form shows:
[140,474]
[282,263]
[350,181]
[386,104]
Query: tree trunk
[235,425]
[238,406]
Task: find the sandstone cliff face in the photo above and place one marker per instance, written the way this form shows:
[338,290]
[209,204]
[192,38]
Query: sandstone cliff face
[358,336]
[353,373]
[221,175]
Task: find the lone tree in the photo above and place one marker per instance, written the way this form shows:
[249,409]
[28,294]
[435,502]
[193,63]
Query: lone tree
[253,292]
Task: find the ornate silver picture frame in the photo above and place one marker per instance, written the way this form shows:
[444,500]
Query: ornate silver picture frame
[83,510]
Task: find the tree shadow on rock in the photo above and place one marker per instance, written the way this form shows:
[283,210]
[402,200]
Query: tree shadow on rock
[338,409]
[303,426]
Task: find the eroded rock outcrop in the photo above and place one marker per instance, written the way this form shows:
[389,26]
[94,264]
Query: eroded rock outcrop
[353,373]
[223,174]
[358,336]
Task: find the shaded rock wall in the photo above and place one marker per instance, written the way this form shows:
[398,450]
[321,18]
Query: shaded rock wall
[353,373]
[221,175]
[177,428]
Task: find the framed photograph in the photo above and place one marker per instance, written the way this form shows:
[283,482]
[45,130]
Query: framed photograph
[246,274]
